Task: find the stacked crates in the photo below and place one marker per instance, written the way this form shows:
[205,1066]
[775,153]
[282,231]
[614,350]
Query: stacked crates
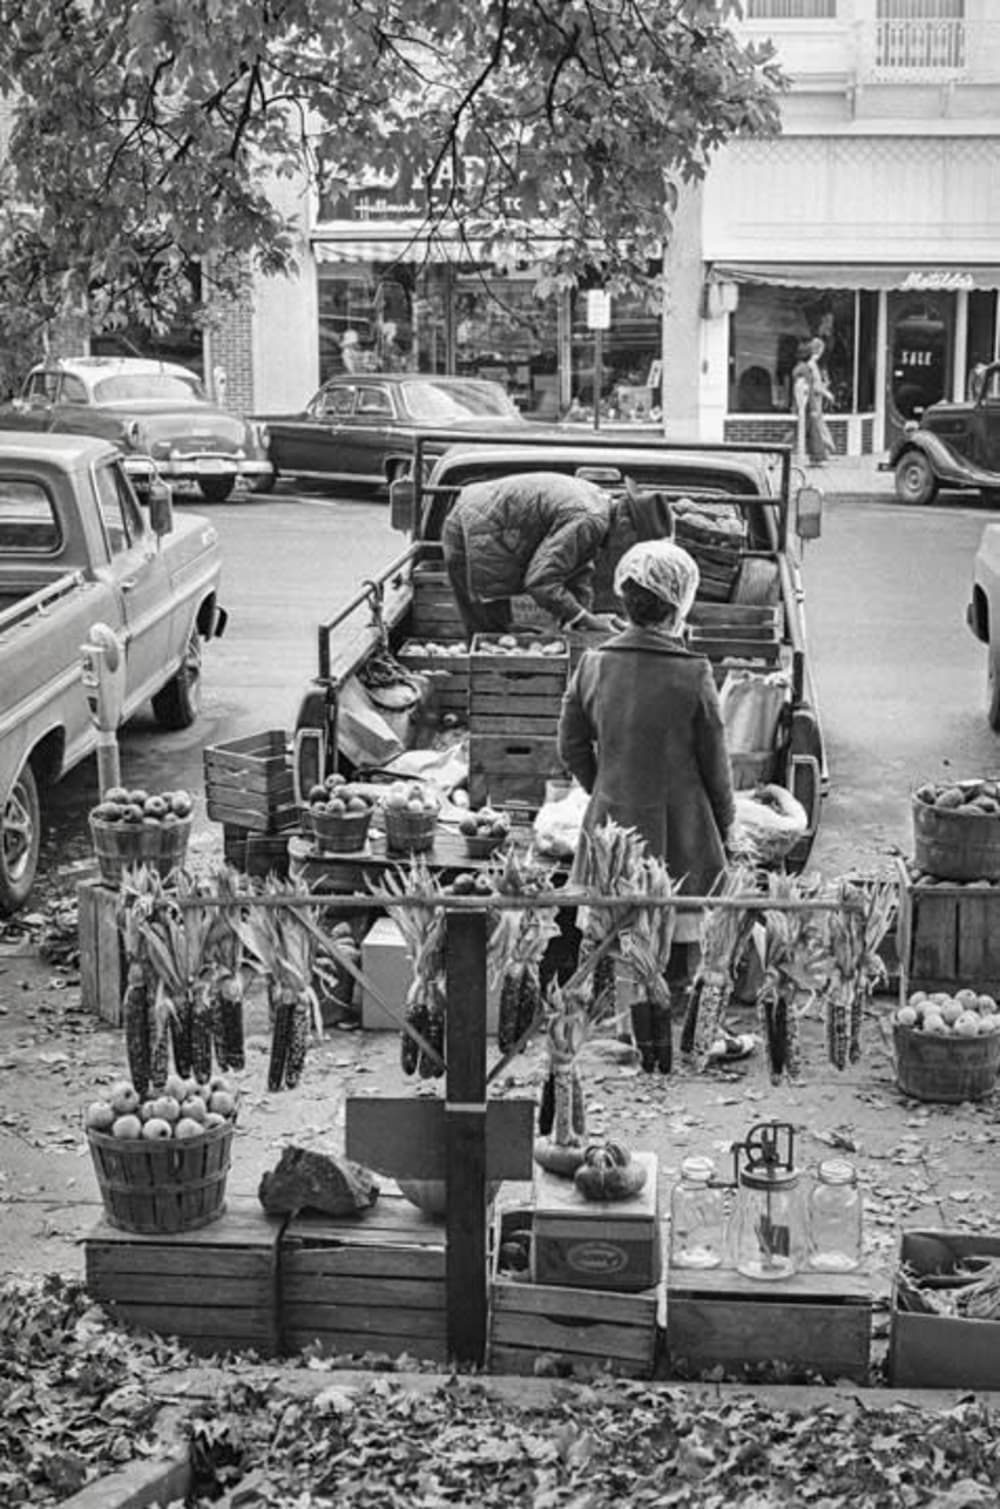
[516,686]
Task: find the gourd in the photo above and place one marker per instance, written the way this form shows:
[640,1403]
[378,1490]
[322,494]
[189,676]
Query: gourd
[608,1173]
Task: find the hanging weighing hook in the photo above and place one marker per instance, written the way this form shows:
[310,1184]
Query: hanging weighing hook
[375,593]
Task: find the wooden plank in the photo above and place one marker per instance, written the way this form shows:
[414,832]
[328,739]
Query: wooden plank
[163,1265]
[465,1134]
[934,935]
[190,1290]
[420,1262]
[263,785]
[517,705]
[708,1333]
[577,1306]
[514,754]
[525,683]
[406,1137]
[598,1338]
[514,724]
[248,1325]
[363,1319]
[743,648]
[102,958]
[256,819]
[522,1362]
[345,1343]
[378,1294]
[807,1287]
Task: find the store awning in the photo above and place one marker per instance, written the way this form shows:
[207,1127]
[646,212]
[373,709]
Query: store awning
[870,276]
[414,247]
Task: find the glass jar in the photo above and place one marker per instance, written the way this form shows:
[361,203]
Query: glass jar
[835,1209]
[766,1235]
[697,1217]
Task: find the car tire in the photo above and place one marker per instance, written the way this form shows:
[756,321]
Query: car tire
[993,690]
[990,496]
[264,484]
[915,479]
[20,842]
[217,489]
[178,704]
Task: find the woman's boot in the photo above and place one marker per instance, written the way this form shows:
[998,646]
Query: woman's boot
[662,1034]
[642,1031]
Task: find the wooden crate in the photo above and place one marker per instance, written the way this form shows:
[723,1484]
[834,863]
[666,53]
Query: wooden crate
[434,613]
[375,1283]
[607,1246]
[948,936]
[249,783]
[942,1351]
[719,1322]
[214,1288]
[255,853]
[584,1331]
[102,956]
[511,768]
[451,677]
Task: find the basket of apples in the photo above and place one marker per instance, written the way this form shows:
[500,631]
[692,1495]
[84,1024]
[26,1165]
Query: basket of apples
[338,816]
[162,1163]
[136,827]
[484,832]
[410,814]
[947,1046]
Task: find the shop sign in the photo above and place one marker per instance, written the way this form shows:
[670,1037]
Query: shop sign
[938,282]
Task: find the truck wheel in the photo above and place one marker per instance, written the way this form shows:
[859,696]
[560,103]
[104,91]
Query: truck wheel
[217,489]
[992,690]
[20,840]
[915,480]
[178,704]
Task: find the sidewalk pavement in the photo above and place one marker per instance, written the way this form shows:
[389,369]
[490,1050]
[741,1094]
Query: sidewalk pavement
[852,476]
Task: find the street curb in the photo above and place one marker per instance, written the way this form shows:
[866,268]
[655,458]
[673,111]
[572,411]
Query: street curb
[145,1484]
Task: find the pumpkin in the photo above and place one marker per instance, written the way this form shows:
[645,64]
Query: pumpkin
[608,1173]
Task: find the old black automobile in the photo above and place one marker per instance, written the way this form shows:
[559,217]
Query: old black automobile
[956,446]
[156,413]
[360,429]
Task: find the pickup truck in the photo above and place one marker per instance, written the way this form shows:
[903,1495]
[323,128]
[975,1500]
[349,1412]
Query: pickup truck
[77,550]
[983,615]
[754,483]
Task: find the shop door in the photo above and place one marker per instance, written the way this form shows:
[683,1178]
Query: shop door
[921,330]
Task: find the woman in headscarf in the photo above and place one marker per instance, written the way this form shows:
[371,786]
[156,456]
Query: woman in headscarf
[641,730]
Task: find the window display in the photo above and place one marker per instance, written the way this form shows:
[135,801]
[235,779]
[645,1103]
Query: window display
[769,333]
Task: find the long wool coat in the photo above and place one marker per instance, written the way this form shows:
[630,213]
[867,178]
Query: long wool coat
[641,730]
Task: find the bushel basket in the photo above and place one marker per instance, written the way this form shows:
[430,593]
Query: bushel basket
[119,846]
[339,832]
[160,1186]
[409,832]
[955,845]
[949,1069]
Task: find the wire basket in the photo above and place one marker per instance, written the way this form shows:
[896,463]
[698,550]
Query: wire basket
[120,845]
[339,832]
[162,1186]
[409,832]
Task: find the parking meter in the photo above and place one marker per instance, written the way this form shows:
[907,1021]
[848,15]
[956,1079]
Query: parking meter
[102,671]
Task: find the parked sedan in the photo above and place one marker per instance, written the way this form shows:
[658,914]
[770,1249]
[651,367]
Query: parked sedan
[359,429]
[955,446]
[157,413]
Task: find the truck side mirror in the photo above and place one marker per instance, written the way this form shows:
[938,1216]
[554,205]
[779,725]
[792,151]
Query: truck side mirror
[161,507]
[809,513]
[402,504]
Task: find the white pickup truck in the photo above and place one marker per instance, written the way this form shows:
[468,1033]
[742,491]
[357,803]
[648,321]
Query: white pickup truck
[76,550]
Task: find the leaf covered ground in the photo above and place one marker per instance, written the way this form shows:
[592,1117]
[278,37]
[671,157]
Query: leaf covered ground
[79,1397]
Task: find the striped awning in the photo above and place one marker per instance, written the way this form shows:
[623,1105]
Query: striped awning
[907,277]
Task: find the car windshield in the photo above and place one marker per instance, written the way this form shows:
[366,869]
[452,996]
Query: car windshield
[438,403]
[169,387]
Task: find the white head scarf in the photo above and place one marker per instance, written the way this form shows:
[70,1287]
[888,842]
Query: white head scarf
[664,569]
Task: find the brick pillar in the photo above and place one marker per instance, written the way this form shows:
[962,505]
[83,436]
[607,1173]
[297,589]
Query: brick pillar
[229,351]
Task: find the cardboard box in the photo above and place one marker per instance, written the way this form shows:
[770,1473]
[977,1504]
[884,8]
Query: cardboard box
[720,1323]
[612,1246]
[585,1332]
[939,1351]
[386,966]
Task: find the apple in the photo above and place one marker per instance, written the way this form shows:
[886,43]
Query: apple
[214,1119]
[181,804]
[968,1024]
[906,1016]
[934,1022]
[168,1107]
[132,813]
[337,806]
[221,1103]
[187,1127]
[123,1099]
[317,794]
[177,1087]
[156,1129]
[156,807]
[469,826]
[116,794]
[99,1116]
[138,797]
[127,1127]
[357,804]
[334,779]
[193,1108]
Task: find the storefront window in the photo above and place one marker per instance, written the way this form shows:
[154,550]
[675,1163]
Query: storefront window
[981,346]
[384,317]
[505,333]
[768,330]
[630,359]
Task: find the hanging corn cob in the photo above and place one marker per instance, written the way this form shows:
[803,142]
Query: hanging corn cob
[645,947]
[174,939]
[560,1149]
[282,942]
[612,853]
[140,893]
[518,941]
[855,932]
[725,933]
[423,930]
[227,987]
[795,969]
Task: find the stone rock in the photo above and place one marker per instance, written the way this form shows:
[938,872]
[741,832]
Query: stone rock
[307,1180]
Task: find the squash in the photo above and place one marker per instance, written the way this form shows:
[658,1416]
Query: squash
[608,1173]
[560,1158]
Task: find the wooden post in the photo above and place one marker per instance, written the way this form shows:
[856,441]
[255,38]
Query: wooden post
[465,1137]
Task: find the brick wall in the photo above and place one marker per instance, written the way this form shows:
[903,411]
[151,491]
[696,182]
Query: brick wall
[229,351]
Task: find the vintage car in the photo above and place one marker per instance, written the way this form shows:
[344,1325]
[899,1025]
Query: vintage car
[955,446]
[359,428]
[157,413]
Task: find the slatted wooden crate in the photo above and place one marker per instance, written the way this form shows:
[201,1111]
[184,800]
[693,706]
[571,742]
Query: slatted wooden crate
[582,1332]
[434,613]
[511,769]
[214,1288]
[720,1323]
[736,631]
[255,853]
[249,783]
[948,935]
[102,957]
[450,671]
[514,704]
[373,1284]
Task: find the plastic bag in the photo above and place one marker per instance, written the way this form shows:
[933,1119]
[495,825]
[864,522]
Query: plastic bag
[363,735]
[769,822]
[557,824]
[751,707]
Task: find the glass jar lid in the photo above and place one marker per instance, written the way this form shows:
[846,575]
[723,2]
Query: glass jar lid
[836,1171]
[697,1169]
[759,1176]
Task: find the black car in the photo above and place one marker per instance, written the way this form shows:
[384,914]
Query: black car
[359,428]
[955,446]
